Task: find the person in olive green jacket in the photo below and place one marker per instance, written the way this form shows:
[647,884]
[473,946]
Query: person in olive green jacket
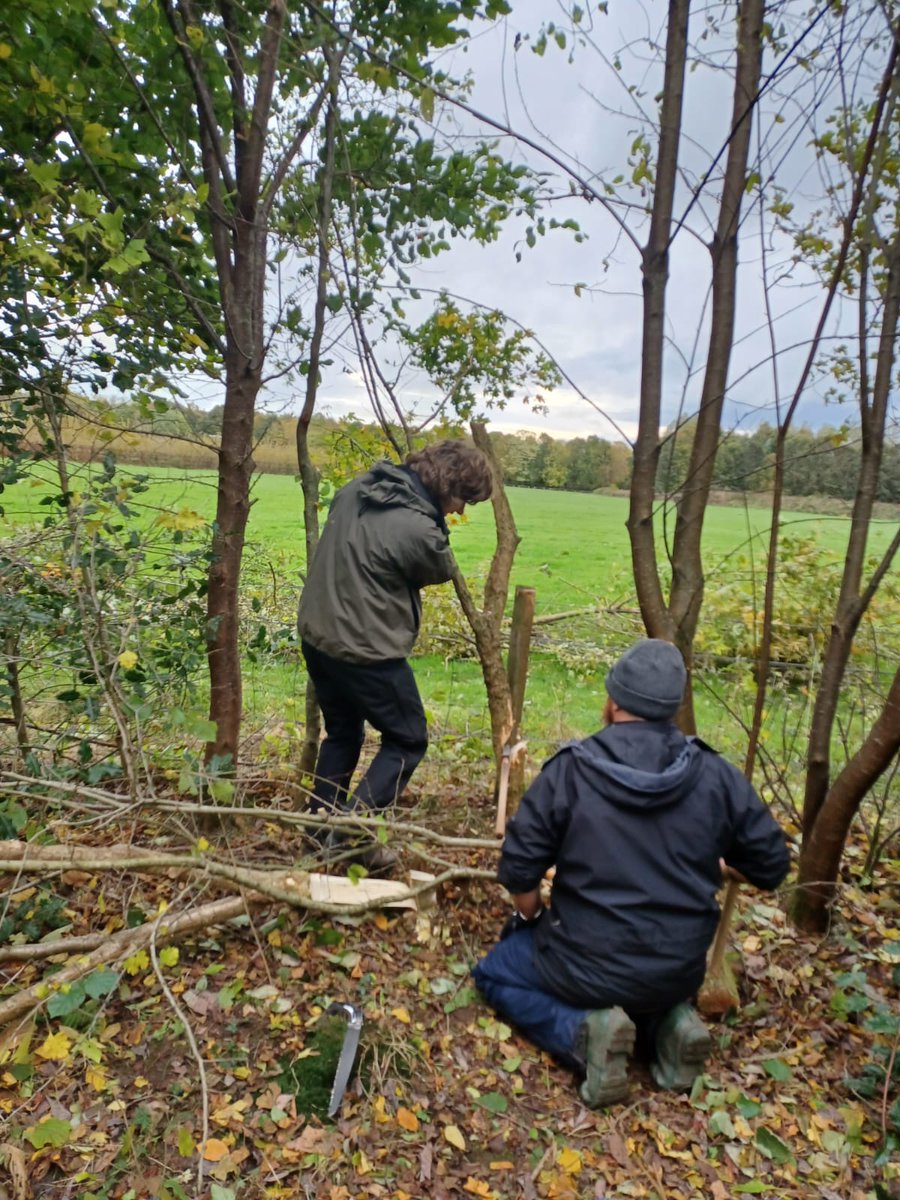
[384,540]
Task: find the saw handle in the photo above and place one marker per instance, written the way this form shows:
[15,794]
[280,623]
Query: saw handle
[720,944]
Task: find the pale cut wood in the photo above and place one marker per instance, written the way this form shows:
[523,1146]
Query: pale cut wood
[338,889]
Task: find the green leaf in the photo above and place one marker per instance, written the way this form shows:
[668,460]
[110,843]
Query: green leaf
[464,997]
[52,1131]
[778,1069]
[494,1103]
[222,1193]
[720,1122]
[754,1188]
[185,1142]
[67,1000]
[512,1064]
[101,982]
[747,1107]
[132,255]
[221,790]
[771,1145]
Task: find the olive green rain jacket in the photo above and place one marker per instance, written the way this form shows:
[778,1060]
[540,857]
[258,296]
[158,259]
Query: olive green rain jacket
[384,539]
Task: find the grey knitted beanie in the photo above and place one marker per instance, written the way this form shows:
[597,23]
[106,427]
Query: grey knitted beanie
[648,680]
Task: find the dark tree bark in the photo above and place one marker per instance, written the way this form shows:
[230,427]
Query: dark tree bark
[823,846]
[852,602]
[309,476]
[676,620]
[487,623]
[655,275]
[240,203]
[686,596]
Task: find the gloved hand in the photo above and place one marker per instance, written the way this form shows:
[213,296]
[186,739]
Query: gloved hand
[515,921]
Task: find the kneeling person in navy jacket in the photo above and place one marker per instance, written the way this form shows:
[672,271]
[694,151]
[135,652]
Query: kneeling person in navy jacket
[638,821]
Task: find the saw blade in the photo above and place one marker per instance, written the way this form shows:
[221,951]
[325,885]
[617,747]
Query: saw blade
[348,1053]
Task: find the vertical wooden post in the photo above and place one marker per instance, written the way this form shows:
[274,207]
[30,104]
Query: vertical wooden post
[512,768]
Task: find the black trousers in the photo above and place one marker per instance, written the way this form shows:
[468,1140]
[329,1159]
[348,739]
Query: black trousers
[349,694]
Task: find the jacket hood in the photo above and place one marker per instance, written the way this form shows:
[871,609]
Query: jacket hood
[387,485]
[670,764]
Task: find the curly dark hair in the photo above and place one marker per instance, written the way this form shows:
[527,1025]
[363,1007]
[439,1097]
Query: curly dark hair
[452,470]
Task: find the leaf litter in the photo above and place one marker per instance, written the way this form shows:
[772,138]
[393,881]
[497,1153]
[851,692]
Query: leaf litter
[102,1097]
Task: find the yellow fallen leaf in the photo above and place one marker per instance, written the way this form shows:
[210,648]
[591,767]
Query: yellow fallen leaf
[569,1161]
[55,1047]
[214,1149]
[382,1116]
[381,922]
[501,1165]
[401,1014]
[454,1137]
[477,1187]
[95,1077]
[407,1120]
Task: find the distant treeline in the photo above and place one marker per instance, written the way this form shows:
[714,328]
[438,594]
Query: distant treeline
[823,462]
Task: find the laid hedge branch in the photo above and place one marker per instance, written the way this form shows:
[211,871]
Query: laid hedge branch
[288,886]
[256,885]
[76,795]
[121,945]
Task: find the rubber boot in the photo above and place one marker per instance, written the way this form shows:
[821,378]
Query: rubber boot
[605,1043]
[683,1044]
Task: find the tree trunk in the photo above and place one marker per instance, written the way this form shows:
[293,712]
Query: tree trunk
[851,604]
[686,596]
[823,848]
[242,381]
[15,692]
[309,483]
[487,624]
[655,275]
[517,674]
[309,476]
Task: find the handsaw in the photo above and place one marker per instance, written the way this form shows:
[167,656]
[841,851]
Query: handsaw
[348,1052]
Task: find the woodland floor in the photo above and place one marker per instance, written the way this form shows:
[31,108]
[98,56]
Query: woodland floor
[107,1101]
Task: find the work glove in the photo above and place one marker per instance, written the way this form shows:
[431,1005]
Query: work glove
[515,921]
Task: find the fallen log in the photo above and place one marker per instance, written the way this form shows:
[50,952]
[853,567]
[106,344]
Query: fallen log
[123,944]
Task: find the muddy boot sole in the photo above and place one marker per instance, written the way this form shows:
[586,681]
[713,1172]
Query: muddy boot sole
[609,1041]
[683,1046]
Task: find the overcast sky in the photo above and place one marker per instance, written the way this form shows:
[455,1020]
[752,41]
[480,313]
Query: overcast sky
[583,111]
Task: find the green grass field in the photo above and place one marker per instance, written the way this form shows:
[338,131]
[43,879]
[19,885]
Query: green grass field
[574,552]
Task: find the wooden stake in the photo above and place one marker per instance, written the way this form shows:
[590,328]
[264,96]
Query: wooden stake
[512,763]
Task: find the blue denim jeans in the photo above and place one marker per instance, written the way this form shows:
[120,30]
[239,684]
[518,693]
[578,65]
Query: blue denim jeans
[511,984]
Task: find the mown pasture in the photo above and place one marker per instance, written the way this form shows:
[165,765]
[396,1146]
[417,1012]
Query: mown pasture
[575,552]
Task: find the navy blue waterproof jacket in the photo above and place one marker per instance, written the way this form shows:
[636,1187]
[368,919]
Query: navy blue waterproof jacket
[635,819]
